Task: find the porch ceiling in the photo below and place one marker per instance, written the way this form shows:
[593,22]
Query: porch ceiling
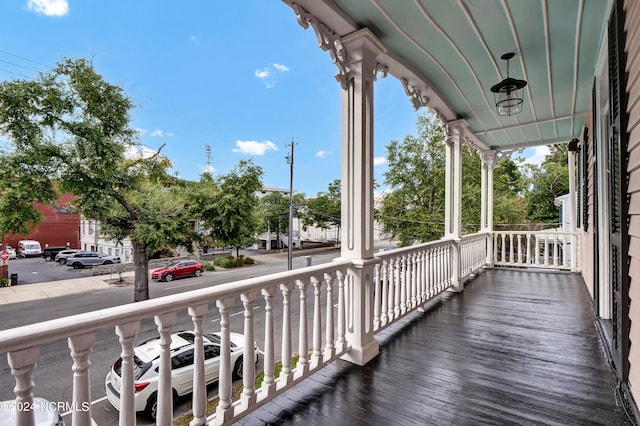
[450,51]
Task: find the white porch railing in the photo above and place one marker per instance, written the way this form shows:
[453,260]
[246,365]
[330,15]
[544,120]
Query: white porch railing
[404,280]
[539,249]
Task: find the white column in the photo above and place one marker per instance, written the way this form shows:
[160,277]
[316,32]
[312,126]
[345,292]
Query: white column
[127,337]
[486,225]
[23,365]
[453,215]
[361,49]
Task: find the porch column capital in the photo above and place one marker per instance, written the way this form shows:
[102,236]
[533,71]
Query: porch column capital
[489,158]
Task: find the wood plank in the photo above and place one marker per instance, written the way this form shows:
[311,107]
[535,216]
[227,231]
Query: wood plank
[515,347]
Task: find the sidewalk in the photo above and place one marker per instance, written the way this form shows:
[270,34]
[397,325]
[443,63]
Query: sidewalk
[44,290]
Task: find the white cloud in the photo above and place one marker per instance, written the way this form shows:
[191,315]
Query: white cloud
[134,151]
[536,155]
[378,161]
[158,133]
[49,7]
[267,76]
[193,38]
[323,154]
[280,67]
[254,147]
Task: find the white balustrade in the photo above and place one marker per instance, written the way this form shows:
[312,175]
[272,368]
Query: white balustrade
[536,249]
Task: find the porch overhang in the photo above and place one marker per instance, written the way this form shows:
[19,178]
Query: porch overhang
[447,56]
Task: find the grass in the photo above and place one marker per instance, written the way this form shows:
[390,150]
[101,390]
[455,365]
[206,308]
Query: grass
[236,391]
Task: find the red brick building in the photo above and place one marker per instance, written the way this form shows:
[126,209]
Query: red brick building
[56,228]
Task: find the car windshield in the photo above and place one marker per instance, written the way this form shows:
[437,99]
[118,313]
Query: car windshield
[31,246]
[139,367]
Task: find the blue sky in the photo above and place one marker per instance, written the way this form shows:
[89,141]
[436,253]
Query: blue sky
[240,76]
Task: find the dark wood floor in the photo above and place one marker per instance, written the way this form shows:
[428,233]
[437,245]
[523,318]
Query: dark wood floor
[515,348]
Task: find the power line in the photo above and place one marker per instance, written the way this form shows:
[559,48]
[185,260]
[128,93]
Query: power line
[25,59]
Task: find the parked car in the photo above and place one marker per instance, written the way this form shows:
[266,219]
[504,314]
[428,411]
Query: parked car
[28,248]
[146,362]
[46,413]
[62,256]
[84,259]
[178,269]
[49,253]
[12,252]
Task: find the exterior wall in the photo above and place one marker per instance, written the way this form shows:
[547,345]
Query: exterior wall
[586,249]
[632,27]
[91,240]
[56,228]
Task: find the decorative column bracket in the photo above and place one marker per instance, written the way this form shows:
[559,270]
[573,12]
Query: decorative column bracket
[417,98]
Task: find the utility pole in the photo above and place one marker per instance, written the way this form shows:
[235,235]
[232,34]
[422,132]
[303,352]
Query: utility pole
[289,159]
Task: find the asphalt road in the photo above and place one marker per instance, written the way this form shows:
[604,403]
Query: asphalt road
[53,376]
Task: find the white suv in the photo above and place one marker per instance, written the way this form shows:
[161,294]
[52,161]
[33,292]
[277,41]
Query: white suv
[147,361]
[82,259]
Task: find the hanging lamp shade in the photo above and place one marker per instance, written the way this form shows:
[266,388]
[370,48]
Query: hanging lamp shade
[508,94]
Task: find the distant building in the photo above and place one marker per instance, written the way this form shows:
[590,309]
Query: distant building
[57,228]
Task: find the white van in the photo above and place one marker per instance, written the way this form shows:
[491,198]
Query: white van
[28,248]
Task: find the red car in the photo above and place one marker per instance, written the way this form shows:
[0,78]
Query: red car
[178,269]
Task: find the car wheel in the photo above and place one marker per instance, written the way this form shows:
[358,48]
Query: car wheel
[151,409]
[197,273]
[237,369]
[48,258]
[168,277]
[107,262]
[62,261]
[77,265]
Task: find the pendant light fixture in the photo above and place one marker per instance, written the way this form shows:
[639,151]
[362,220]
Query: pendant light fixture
[508,93]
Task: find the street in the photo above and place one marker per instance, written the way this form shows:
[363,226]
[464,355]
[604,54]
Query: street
[53,376]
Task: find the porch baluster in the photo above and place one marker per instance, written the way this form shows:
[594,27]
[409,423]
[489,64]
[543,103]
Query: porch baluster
[546,250]
[414,280]
[503,251]
[384,295]
[316,353]
[495,248]
[23,364]
[519,250]
[224,411]
[286,376]
[199,396]
[268,384]
[329,348]
[432,273]
[396,283]
[303,346]
[555,250]
[80,350]
[529,249]
[164,413]
[342,341]
[376,297]
[248,396]
[403,285]
[511,259]
[127,337]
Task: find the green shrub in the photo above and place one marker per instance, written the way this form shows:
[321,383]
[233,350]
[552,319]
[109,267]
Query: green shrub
[224,262]
[4,282]
[249,261]
[208,266]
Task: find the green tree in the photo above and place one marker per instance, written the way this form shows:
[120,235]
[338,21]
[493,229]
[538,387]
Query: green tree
[70,132]
[412,208]
[229,207]
[548,181]
[274,211]
[324,211]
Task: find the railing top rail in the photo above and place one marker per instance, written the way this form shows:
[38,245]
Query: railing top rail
[58,329]
[477,235]
[545,232]
[410,249]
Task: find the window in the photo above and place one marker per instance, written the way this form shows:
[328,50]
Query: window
[183,359]
[211,351]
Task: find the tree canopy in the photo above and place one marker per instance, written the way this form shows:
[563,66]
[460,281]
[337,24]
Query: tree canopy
[69,131]
[412,208]
[324,211]
[548,181]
